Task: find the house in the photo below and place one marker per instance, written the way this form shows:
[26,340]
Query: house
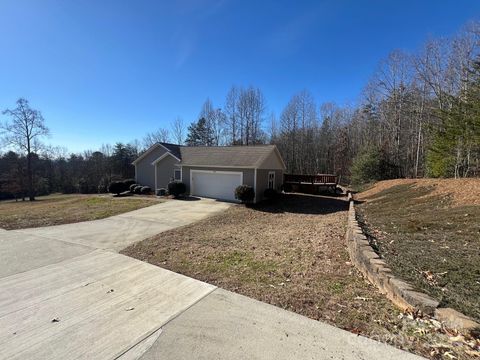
[211,171]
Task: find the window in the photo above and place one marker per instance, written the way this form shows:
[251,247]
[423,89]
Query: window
[271,179]
[177,175]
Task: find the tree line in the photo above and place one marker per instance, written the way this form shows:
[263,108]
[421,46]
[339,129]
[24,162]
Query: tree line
[418,116]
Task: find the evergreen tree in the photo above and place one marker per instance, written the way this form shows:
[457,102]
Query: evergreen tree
[199,134]
[455,149]
[123,156]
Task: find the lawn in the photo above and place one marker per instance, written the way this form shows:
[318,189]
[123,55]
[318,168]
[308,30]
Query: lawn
[65,209]
[290,254]
[429,234]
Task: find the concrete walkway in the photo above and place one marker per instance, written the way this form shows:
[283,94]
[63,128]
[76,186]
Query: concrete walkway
[67,299]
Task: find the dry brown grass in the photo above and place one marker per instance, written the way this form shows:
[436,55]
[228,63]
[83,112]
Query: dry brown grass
[461,191]
[290,254]
[65,209]
[429,234]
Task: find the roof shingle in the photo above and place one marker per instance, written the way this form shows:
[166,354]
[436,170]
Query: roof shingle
[226,156]
[173,148]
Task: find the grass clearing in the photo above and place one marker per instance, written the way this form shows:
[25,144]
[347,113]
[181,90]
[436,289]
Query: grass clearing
[292,255]
[64,209]
[429,238]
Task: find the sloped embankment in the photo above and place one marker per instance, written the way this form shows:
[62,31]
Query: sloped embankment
[428,232]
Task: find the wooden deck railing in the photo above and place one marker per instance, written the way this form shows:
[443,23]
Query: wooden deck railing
[319,179]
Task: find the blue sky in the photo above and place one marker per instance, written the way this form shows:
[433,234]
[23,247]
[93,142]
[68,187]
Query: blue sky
[111,70]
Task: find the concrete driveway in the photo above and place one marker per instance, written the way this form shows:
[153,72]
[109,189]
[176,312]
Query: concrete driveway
[66,297]
[117,232]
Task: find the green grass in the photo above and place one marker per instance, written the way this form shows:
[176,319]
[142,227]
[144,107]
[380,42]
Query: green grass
[241,265]
[417,232]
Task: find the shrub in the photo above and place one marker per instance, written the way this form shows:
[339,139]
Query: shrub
[129,182]
[145,190]
[117,187]
[85,187]
[103,185]
[138,189]
[176,188]
[244,193]
[161,192]
[270,194]
[132,188]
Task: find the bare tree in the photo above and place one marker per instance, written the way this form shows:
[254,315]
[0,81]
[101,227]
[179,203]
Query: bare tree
[273,128]
[251,107]
[298,126]
[393,83]
[232,118]
[24,131]
[178,131]
[161,135]
[208,113]
[216,123]
[219,127]
[136,145]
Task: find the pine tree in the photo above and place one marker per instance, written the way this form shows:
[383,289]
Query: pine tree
[455,149]
[199,134]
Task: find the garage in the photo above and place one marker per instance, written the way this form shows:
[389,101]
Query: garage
[215,184]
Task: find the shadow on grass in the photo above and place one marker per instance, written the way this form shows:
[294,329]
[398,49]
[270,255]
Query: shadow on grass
[123,194]
[302,204]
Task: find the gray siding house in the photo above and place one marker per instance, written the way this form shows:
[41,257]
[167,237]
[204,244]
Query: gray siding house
[213,171]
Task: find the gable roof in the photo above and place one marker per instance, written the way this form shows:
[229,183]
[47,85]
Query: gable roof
[165,154]
[171,148]
[174,149]
[227,156]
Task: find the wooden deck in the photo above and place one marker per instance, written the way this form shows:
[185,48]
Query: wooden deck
[310,183]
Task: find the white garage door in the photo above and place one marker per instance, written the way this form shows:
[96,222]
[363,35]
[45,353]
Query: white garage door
[215,184]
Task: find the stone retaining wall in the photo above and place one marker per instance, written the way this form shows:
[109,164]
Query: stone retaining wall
[399,292]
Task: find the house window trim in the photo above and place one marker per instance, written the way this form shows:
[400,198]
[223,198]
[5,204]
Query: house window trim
[268,180]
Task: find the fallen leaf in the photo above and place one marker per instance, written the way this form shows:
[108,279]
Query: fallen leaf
[450,355]
[420,331]
[458,338]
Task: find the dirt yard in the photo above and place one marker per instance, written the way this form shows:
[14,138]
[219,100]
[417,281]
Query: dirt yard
[428,231]
[290,254]
[65,209]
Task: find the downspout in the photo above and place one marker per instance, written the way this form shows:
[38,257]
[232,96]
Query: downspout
[155,170]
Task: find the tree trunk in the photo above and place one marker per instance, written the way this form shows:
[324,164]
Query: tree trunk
[31,194]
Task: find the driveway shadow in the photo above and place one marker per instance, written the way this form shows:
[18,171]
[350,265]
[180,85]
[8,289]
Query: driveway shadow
[188,198]
[303,204]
